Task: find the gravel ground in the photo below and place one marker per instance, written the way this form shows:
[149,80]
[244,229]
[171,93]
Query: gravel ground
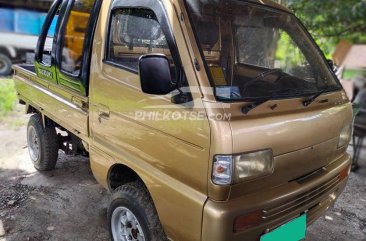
[68,204]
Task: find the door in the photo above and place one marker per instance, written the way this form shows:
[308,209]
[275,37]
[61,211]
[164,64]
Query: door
[167,144]
[73,45]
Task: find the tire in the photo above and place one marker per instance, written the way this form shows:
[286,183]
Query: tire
[42,144]
[5,65]
[134,198]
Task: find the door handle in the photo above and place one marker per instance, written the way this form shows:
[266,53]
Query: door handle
[103,113]
[103,116]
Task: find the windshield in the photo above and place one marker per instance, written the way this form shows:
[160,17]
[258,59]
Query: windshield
[254,52]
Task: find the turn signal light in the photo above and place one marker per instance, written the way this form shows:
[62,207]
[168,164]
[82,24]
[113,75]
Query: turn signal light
[345,172]
[247,221]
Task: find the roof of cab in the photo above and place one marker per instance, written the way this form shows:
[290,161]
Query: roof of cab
[270,4]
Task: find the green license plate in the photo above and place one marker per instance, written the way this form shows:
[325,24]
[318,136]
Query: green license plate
[294,230]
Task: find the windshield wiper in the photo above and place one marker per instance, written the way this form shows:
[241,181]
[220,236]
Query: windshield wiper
[308,101]
[247,108]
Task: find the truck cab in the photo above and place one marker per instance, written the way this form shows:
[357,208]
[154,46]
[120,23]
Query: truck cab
[207,120]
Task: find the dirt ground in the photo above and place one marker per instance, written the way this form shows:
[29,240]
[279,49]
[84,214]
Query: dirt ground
[68,204]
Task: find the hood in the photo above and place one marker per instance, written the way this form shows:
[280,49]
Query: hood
[303,140]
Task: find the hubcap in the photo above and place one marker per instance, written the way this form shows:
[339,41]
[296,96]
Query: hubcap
[33,143]
[125,226]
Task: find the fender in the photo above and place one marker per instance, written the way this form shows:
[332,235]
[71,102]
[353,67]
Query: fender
[9,50]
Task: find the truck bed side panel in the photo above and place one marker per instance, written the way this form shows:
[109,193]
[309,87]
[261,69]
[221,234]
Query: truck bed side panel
[62,106]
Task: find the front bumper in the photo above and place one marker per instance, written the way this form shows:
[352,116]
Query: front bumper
[278,205]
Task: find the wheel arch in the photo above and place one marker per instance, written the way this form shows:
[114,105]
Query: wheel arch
[120,174]
[8,51]
[29,109]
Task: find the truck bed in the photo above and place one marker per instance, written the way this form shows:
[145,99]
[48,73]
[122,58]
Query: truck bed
[61,105]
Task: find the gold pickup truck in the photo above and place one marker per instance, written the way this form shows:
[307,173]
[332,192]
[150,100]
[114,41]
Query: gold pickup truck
[207,120]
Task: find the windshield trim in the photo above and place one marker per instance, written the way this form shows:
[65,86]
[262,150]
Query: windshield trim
[249,99]
[278,97]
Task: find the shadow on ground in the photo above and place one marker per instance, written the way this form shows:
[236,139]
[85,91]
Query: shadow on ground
[64,204]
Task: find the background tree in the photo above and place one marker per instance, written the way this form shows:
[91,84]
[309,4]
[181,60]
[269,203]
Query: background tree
[330,21]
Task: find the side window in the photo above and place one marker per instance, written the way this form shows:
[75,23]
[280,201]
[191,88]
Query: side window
[135,32]
[46,54]
[74,35]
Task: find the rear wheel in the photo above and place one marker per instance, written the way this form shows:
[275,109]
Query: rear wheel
[5,65]
[42,144]
[132,215]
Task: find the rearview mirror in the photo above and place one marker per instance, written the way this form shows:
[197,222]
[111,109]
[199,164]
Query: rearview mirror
[154,72]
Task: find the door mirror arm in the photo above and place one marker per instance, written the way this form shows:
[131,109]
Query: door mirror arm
[182,97]
[332,66]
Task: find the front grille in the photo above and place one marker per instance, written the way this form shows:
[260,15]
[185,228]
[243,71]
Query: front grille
[300,201]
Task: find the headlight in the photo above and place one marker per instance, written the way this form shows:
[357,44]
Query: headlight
[253,165]
[228,169]
[345,136]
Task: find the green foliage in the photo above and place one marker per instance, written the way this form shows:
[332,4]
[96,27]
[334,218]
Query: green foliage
[330,21]
[7,96]
[287,52]
[353,73]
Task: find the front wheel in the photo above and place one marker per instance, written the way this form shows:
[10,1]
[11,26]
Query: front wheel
[42,144]
[132,215]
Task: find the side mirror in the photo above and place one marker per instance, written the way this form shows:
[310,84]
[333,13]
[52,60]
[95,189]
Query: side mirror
[154,72]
